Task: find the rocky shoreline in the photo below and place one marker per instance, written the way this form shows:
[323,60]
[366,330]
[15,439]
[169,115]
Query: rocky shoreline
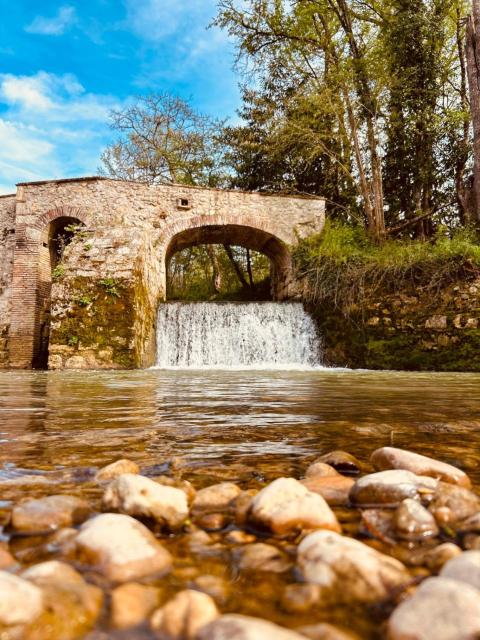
[385,548]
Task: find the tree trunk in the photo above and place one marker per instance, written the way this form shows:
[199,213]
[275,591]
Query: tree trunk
[249,269]
[238,271]
[473,71]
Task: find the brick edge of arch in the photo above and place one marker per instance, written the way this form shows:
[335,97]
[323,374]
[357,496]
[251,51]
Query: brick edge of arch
[63,211]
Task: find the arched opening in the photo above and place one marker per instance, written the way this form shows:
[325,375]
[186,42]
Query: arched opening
[56,237]
[257,263]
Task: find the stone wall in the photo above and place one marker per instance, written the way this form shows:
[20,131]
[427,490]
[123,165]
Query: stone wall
[7,246]
[413,329]
[102,303]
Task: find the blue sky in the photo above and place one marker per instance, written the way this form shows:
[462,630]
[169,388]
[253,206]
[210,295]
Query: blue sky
[65,65]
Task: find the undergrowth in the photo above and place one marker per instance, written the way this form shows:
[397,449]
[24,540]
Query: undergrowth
[341,265]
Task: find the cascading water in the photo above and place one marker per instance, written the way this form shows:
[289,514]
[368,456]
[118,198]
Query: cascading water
[231,334]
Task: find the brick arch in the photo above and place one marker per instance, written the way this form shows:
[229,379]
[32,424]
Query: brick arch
[62,211]
[244,230]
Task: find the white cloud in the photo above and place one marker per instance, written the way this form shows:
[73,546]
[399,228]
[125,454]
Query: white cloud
[55,26]
[157,19]
[50,127]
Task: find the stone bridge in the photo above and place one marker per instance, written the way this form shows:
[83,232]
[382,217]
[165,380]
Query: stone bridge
[96,306]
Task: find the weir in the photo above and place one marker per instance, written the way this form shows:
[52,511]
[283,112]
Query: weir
[233,334]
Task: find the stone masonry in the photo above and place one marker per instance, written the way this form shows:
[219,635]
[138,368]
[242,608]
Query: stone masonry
[97,307]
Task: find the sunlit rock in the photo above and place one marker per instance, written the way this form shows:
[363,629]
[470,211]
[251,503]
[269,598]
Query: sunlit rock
[183,616]
[342,461]
[73,605]
[115,469]
[47,514]
[132,603]
[139,496]
[413,522]
[238,627]
[261,557]
[216,498]
[464,568]
[390,487]
[451,504]
[393,458]
[286,505]
[349,569]
[21,602]
[326,631]
[334,489]
[437,557]
[441,609]
[121,548]
[320,470]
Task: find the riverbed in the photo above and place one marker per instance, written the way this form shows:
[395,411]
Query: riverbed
[248,427]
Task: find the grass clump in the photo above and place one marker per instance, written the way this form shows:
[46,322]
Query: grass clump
[342,264]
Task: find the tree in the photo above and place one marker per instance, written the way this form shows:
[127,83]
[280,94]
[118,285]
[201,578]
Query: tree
[162,139]
[473,67]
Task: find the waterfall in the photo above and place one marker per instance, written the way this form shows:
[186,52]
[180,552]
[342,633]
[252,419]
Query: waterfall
[233,334]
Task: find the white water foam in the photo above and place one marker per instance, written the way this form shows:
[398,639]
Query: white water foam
[231,335]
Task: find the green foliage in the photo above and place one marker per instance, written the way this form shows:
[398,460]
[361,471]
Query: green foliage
[343,262]
[84,300]
[111,286]
[58,272]
[73,341]
[87,246]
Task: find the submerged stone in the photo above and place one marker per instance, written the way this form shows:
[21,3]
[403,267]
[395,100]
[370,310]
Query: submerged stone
[185,615]
[261,557]
[349,569]
[44,515]
[139,496]
[440,609]
[390,488]
[216,498]
[325,631]
[334,489]
[121,548]
[237,627]
[285,506]
[451,504]
[413,522]
[393,458]
[115,469]
[132,603]
[342,461]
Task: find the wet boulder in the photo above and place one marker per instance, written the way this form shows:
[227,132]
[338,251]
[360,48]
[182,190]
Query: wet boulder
[261,557]
[184,616]
[121,548]
[21,602]
[141,497]
[437,557]
[6,558]
[350,570]
[326,631]
[44,515]
[390,488]
[286,506]
[412,521]
[73,605]
[237,627]
[214,586]
[335,490]
[464,568]
[320,470]
[451,504]
[216,498]
[132,603]
[442,609]
[342,461]
[115,469]
[393,458]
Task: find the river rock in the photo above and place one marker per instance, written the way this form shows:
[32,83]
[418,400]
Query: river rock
[440,609]
[436,558]
[320,470]
[325,631]
[261,557]
[115,469]
[44,515]
[139,496]
[178,483]
[342,461]
[6,558]
[214,586]
[390,488]
[300,598]
[451,504]
[239,537]
[183,616]
[73,605]
[216,498]
[413,522]
[393,458]
[237,627]
[286,505]
[335,490]
[21,602]
[132,603]
[349,569]
[121,548]
[464,568]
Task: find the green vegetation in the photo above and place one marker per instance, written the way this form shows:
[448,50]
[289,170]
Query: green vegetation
[58,272]
[343,262]
[112,287]
[84,300]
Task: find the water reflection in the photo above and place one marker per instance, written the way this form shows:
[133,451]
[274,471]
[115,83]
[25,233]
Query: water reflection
[265,421]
